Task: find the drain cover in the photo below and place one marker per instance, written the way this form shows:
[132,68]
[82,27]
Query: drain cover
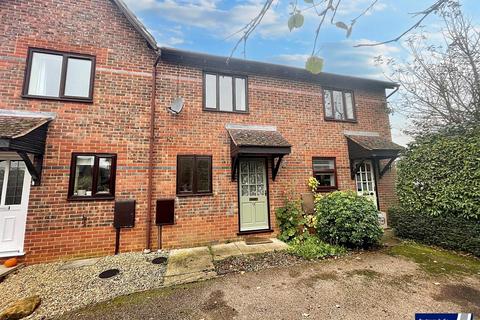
[159,260]
[109,273]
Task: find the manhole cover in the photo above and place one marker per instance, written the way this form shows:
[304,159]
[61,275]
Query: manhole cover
[109,273]
[159,260]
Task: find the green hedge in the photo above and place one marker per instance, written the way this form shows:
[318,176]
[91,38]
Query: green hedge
[447,230]
[439,174]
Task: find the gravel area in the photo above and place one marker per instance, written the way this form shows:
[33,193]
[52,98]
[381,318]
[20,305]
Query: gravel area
[256,262]
[65,290]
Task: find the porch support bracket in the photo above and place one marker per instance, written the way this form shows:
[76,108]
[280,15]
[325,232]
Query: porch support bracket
[34,168]
[234,167]
[354,170]
[276,166]
[386,167]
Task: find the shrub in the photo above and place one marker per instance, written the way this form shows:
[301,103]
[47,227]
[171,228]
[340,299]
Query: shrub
[311,247]
[447,230]
[439,174]
[346,219]
[289,218]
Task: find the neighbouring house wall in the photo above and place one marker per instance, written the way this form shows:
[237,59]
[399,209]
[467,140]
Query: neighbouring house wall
[116,122]
[295,108]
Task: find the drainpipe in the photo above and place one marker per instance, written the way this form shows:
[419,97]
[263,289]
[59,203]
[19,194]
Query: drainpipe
[151,147]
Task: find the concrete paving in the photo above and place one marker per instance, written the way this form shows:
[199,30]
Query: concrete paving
[196,264]
[4,271]
[79,263]
[189,265]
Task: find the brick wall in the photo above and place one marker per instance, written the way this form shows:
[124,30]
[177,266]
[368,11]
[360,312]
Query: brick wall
[118,122]
[296,110]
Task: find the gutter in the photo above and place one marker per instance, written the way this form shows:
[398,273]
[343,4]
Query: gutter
[393,92]
[151,139]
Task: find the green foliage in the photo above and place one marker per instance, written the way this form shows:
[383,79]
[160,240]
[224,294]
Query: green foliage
[346,219]
[311,247]
[446,230]
[295,21]
[439,174]
[289,218]
[314,64]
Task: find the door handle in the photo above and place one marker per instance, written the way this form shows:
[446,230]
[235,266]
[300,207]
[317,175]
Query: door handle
[253,199]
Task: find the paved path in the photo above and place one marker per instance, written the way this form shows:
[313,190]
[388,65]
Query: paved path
[195,264]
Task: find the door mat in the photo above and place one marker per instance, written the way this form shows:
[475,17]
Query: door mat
[257,240]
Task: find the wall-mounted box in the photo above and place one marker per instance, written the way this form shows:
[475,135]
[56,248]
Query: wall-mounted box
[124,214]
[165,213]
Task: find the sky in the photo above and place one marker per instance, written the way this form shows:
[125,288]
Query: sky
[207,25]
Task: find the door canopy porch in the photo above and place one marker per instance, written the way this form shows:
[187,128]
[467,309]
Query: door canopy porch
[371,147]
[257,141]
[25,133]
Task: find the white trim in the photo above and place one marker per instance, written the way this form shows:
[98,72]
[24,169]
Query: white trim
[361,133]
[8,254]
[250,127]
[27,114]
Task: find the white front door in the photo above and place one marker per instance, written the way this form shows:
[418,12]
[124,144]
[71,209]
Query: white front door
[253,195]
[365,180]
[14,193]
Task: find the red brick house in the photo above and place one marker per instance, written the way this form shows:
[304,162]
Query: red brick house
[86,122]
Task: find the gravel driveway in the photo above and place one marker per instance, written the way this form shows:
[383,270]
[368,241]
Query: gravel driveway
[66,289]
[371,285]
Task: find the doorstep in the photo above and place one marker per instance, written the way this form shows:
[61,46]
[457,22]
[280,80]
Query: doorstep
[4,271]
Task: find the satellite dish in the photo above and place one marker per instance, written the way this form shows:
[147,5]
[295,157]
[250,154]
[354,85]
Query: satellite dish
[176,106]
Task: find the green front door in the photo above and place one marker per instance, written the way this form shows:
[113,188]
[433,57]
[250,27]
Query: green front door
[253,195]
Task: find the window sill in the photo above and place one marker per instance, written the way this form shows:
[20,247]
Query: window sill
[90,198]
[327,189]
[338,120]
[222,111]
[78,100]
[185,195]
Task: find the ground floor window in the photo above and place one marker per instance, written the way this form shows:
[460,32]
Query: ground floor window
[325,171]
[194,175]
[92,176]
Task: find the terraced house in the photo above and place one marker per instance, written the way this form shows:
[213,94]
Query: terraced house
[95,119]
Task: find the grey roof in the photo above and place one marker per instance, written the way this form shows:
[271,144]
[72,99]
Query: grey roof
[375,143]
[140,27]
[249,67]
[12,127]
[257,138]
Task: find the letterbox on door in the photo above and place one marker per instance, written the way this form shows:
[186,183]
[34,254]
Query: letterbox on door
[124,214]
[165,213]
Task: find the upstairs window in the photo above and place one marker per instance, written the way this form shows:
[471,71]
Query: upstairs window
[339,105]
[92,176]
[194,175]
[58,75]
[325,171]
[225,93]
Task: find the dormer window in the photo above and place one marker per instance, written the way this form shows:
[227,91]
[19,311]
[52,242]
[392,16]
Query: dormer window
[59,76]
[339,105]
[225,93]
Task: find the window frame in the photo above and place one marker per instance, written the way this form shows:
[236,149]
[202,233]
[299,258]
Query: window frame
[63,75]
[343,91]
[194,191]
[217,87]
[94,196]
[334,171]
